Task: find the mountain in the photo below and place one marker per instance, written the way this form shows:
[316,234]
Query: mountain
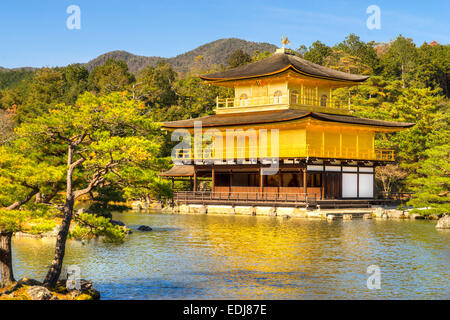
[134,62]
[217,52]
[204,57]
[213,53]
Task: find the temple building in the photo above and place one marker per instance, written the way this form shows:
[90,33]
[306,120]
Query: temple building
[284,136]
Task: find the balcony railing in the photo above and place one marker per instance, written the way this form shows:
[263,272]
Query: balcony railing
[292,99]
[286,152]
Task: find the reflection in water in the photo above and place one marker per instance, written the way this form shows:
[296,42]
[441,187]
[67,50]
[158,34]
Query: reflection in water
[246,257]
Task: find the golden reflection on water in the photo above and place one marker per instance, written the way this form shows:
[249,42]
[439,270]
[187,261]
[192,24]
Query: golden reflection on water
[246,257]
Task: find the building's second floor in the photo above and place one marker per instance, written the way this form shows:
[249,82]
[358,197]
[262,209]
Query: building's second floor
[288,134]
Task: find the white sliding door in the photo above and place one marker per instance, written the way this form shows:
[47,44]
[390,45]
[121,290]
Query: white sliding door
[349,185]
[366,185]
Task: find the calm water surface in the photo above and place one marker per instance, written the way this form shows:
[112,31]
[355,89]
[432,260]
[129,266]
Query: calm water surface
[245,257]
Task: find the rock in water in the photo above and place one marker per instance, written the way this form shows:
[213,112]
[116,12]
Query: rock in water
[117,223]
[145,228]
[443,223]
[39,293]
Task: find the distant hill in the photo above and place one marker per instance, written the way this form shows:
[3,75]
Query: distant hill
[10,78]
[217,52]
[213,53]
[134,62]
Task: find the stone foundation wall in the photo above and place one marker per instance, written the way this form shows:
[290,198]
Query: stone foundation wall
[330,214]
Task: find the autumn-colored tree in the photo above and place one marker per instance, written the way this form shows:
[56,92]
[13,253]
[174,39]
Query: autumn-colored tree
[389,175]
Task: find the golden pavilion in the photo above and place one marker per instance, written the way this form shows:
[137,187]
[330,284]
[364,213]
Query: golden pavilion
[284,137]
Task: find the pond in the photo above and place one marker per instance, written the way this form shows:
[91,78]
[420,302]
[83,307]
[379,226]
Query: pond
[248,257]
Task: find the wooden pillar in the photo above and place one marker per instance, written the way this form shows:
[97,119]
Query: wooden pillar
[302,95]
[357,144]
[261,180]
[305,186]
[213,178]
[279,180]
[322,178]
[173,183]
[317,96]
[357,181]
[231,180]
[195,180]
[323,142]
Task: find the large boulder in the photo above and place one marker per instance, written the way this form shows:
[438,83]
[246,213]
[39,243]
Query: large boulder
[443,223]
[395,214]
[379,212]
[39,293]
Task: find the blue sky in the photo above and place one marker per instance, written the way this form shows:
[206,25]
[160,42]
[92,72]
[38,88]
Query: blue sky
[34,33]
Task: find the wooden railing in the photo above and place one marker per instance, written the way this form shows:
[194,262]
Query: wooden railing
[245,197]
[299,100]
[210,153]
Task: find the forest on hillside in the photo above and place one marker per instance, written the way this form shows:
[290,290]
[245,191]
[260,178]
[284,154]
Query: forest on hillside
[408,83]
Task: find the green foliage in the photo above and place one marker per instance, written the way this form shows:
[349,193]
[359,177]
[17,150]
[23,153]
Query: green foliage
[103,199]
[20,174]
[364,52]
[260,55]
[14,78]
[238,58]
[11,220]
[317,52]
[398,62]
[31,218]
[111,76]
[155,86]
[90,226]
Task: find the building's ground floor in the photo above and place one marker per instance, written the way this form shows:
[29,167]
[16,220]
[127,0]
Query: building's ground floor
[324,181]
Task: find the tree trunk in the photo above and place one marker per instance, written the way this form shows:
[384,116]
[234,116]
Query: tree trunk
[60,249]
[56,267]
[7,275]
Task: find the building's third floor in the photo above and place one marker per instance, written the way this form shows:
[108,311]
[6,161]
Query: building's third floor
[283,81]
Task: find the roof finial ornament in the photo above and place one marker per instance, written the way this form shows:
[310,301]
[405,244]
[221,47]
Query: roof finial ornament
[285,41]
